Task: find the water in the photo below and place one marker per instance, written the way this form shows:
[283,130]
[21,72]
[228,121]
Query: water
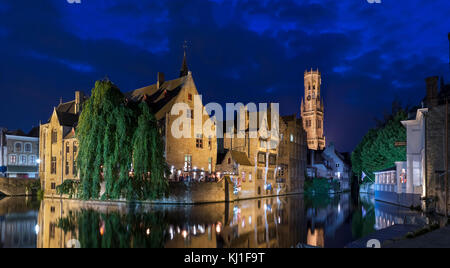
[283,222]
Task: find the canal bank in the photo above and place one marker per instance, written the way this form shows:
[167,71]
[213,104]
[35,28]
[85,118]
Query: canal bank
[190,193]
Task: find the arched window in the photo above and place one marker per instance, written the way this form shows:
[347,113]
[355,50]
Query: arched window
[229,161]
[28,147]
[18,147]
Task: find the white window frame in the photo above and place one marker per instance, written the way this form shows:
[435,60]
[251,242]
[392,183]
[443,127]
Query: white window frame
[22,163]
[21,147]
[10,159]
[30,162]
[25,145]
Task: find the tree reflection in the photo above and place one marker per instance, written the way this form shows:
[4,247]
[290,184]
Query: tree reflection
[113,230]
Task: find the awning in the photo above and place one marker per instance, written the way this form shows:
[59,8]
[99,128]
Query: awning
[22,169]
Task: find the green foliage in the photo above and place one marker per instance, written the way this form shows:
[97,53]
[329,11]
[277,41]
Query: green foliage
[377,149]
[320,186]
[68,187]
[111,132]
[34,186]
[150,168]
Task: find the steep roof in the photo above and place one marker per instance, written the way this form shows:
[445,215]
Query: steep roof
[68,107]
[240,158]
[221,156]
[160,99]
[67,119]
[34,132]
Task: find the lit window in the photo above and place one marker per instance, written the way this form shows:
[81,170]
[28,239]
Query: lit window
[13,159]
[23,159]
[292,138]
[32,160]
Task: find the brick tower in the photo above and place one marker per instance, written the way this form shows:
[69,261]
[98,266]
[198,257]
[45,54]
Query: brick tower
[312,110]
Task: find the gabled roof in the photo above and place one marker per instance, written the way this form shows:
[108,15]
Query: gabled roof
[221,156]
[67,119]
[240,158]
[159,99]
[34,132]
[68,107]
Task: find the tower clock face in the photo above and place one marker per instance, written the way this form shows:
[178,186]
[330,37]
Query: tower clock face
[309,97]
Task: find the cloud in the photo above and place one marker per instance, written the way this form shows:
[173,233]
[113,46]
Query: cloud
[246,51]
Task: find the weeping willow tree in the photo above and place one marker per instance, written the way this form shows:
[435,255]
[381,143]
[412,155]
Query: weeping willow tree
[150,168]
[111,132]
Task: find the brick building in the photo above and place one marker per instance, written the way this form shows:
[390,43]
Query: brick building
[436,139]
[195,155]
[58,145]
[264,166]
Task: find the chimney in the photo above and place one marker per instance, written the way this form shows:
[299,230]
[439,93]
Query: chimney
[432,91]
[160,80]
[79,97]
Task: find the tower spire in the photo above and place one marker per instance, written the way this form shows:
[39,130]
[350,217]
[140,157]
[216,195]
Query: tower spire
[184,67]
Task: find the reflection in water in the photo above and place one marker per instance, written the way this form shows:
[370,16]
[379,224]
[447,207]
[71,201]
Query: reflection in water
[295,221]
[18,219]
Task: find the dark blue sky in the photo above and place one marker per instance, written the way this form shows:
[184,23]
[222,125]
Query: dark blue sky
[255,50]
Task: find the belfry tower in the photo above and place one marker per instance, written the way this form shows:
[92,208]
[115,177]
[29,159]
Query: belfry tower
[312,110]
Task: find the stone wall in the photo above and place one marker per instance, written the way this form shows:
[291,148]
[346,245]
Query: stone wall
[14,186]
[193,192]
[435,157]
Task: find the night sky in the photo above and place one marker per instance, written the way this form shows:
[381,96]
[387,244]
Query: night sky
[239,51]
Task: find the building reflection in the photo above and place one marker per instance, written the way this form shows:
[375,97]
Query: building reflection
[17,229]
[388,215]
[265,223]
[278,222]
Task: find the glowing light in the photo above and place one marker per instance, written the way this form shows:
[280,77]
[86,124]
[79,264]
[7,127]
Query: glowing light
[148,231]
[102,230]
[184,233]
[38,161]
[219,227]
[36,229]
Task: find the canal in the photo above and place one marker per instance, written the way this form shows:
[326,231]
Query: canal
[279,222]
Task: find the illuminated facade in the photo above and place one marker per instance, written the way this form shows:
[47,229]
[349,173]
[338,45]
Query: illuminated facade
[312,111]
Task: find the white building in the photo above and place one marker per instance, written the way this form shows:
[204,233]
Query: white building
[20,153]
[404,184]
[330,164]
[415,153]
